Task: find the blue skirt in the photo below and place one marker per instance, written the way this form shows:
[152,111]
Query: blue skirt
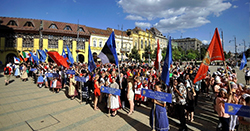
[161,118]
[40,80]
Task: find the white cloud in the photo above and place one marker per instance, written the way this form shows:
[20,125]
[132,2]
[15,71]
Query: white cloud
[235,6]
[134,17]
[205,42]
[142,24]
[175,15]
[74,1]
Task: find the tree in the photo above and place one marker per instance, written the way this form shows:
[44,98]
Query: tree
[146,51]
[191,56]
[176,54]
[134,54]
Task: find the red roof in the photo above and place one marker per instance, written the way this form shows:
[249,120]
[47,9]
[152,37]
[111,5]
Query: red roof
[46,24]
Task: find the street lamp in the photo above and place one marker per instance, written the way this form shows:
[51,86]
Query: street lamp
[235,48]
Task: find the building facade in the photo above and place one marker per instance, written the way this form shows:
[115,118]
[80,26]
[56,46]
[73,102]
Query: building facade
[19,34]
[189,43]
[142,39]
[163,41]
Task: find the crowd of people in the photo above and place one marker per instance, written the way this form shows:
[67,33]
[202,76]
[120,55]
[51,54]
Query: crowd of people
[220,86]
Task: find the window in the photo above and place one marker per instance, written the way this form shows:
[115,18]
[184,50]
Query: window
[100,43]
[53,26]
[94,42]
[149,43]
[28,41]
[81,29]
[145,44]
[67,41]
[141,44]
[136,45]
[117,45]
[28,24]
[12,22]
[52,42]
[67,28]
[10,40]
[81,43]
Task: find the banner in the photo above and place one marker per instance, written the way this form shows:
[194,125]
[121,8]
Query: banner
[235,109]
[162,96]
[109,90]
[70,72]
[52,75]
[33,69]
[80,79]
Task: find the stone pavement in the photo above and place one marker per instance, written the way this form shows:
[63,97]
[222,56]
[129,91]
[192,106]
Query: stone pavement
[24,106]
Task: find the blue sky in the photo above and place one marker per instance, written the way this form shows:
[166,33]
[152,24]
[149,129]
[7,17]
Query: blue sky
[189,18]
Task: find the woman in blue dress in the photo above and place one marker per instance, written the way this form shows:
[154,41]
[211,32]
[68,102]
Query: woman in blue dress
[158,114]
[17,71]
[40,79]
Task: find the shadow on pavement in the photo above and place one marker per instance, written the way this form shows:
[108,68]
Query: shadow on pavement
[137,125]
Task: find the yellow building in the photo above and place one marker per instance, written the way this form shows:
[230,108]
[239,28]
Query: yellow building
[19,34]
[142,39]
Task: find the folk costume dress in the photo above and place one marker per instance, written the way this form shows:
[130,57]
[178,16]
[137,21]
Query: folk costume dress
[17,71]
[159,118]
[115,102]
[72,89]
[138,91]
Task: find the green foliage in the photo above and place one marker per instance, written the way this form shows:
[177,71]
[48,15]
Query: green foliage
[134,54]
[146,50]
[176,54]
[191,55]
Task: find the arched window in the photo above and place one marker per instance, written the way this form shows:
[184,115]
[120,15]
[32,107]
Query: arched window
[53,26]
[94,42]
[28,24]
[12,23]
[81,29]
[100,43]
[67,27]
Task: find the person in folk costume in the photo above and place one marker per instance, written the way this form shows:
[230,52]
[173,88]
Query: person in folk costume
[123,83]
[46,78]
[17,71]
[72,89]
[102,81]
[115,102]
[97,91]
[158,114]
[145,86]
[40,78]
[24,75]
[59,79]
[84,85]
[138,88]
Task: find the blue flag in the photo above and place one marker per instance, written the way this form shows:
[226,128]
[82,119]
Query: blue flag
[243,62]
[162,96]
[236,109]
[91,62]
[42,55]
[64,54]
[35,58]
[108,53]
[109,90]
[167,62]
[70,57]
[112,41]
[46,50]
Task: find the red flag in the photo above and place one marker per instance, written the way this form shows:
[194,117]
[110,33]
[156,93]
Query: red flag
[56,57]
[158,56]
[214,52]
